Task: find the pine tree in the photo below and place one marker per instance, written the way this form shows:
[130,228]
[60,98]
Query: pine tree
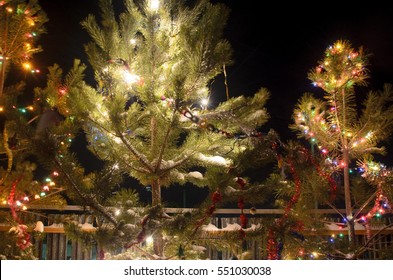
[153,65]
[21,24]
[345,134]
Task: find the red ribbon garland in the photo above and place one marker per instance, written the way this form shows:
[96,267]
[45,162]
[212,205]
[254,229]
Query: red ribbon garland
[273,250]
[23,241]
[326,175]
[216,197]
[272,244]
[141,235]
[240,204]
[379,199]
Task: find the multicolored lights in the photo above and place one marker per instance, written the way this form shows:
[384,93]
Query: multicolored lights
[29,28]
[48,188]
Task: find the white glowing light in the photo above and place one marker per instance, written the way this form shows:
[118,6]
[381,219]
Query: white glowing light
[133,41]
[130,78]
[117,212]
[149,240]
[117,140]
[154,5]
[204,102]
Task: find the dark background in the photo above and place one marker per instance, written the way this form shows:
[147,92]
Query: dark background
[275,45]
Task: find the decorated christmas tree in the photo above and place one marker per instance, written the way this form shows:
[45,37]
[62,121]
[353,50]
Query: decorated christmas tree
[148,118]
[343,138]
[21,23]
[150,121]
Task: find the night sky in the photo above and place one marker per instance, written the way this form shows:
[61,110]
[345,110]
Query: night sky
[275,45]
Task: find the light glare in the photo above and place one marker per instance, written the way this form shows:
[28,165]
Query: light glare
[154,5]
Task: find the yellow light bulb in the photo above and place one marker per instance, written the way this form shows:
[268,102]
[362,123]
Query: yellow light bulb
[26,65]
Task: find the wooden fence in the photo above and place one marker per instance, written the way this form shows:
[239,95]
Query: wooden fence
[57,246]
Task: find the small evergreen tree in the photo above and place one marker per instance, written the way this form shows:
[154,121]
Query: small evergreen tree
[344,134]
[153,65]
[21,24]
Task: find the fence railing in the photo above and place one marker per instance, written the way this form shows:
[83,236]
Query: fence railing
[57,246]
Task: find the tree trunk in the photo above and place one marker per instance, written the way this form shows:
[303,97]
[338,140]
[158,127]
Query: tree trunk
[2,76]
[348,204]
[156,192]
[158,243]
[3,65]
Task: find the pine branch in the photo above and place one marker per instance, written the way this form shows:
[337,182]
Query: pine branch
[335,209]
[165,141]
[144,252]
[373,150]
[91,201]
[16,36]
[177,163]
[365,203]
[9,153]
[375,238]
[140,170]
[140,157]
